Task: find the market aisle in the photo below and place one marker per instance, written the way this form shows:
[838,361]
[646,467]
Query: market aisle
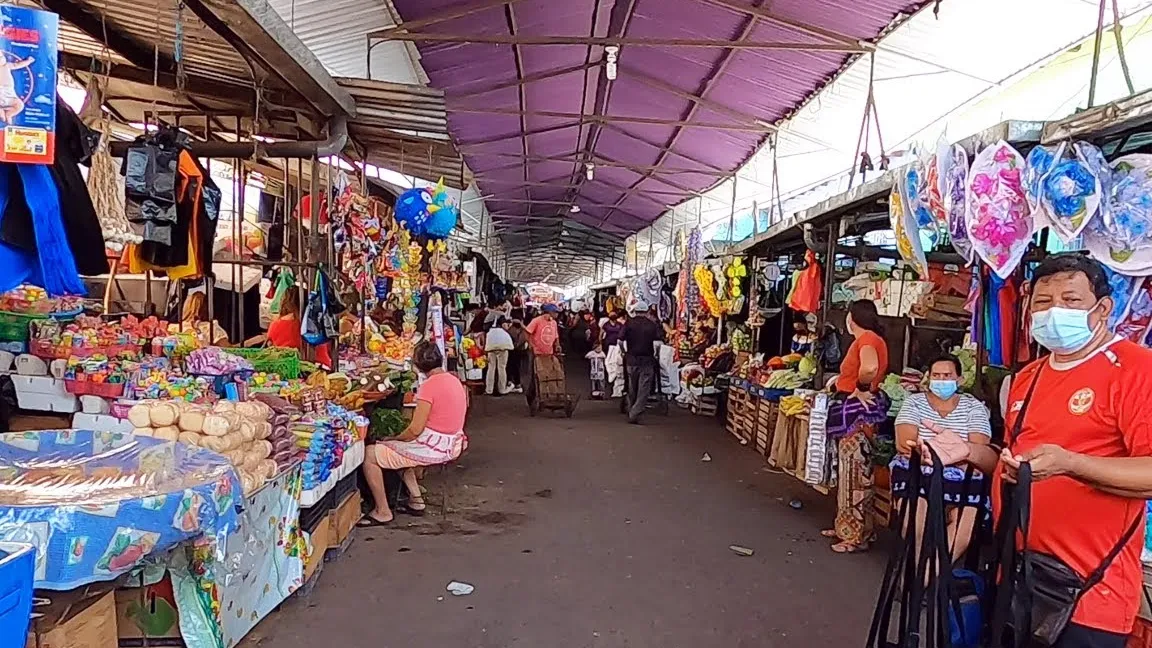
[591,532]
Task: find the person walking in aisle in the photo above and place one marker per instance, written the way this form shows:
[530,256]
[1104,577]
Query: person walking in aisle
[498,344]
[639,337]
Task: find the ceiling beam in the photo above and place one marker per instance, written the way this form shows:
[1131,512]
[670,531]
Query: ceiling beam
[619,19]
[769,16]
[696,100]
[517,40]
[507,136]
[451,13]
[96,27]
[529,78]
[748,127]
[193,84]
[643,140]
[518,57]
[260,35]
[601,161]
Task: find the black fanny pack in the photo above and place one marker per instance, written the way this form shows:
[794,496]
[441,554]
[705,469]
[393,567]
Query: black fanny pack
[1039,591]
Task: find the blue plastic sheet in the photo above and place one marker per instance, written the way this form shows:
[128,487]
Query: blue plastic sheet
[96,504]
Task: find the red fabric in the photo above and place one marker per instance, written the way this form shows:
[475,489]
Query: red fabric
[850,367]
[1008,298]
[1098,408]
[285,333]
[324,356]
[809,287]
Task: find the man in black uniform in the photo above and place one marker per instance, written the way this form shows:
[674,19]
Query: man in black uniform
[639,338]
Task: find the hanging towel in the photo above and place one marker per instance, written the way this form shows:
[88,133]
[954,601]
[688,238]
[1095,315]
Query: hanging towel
[52,265]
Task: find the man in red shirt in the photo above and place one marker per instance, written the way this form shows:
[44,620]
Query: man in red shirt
[1087,435]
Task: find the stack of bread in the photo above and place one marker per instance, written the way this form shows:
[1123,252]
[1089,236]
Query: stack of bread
[238,431]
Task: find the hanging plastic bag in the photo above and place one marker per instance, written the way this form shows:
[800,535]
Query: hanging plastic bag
[809,286]
[284,281]
[312,325]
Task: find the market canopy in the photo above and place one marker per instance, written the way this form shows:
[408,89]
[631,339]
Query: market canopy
[604,113]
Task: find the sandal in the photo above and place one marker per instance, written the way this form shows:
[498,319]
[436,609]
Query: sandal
[407,509]
[830,533]
[368,522]
[848,548]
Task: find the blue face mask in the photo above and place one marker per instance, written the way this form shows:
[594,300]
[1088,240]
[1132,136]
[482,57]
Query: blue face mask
[944,389]
[1062,330]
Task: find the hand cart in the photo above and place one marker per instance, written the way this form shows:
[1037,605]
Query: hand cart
[548,389]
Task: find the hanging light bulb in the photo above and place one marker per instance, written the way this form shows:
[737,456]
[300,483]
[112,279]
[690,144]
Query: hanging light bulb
[610,53]
[589,171]
[574,209]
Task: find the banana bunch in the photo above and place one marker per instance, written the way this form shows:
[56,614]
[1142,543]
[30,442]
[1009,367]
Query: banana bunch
[793,405]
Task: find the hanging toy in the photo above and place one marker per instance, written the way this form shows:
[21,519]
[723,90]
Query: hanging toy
[443,213]
[413,209]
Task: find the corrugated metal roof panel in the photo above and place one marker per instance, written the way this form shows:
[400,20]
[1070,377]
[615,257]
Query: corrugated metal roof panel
[337,33]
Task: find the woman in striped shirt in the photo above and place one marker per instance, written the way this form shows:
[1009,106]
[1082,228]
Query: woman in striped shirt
[957,426]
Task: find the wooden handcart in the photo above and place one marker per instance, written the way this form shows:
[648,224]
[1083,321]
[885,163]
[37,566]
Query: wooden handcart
[550,387]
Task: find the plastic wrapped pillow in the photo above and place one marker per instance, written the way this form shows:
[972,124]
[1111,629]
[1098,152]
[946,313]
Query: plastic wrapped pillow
[915,198]
[931,195]
[999,221]
[1040,161]
[1070,195]
[955,181]
[905,229]
[1122,239]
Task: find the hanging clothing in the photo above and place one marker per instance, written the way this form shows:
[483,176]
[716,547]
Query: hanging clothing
[74,146]
[193,234]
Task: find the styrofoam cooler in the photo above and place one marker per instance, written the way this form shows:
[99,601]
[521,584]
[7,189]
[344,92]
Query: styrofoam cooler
[17,575]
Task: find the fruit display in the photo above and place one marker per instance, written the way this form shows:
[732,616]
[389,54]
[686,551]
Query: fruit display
[741,340]
[785,379]
[794,405]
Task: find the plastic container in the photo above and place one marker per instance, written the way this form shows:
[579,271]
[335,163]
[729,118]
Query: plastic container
[14,326]
[89,388]
[17,577]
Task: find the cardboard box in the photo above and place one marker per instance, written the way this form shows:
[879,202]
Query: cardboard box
[92,627]
[345,517]
[147,616]
[321,540]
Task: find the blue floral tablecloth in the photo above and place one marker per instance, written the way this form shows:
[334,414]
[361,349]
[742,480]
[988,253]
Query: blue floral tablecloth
[96,504]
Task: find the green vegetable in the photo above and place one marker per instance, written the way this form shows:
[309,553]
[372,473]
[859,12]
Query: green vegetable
[385,423]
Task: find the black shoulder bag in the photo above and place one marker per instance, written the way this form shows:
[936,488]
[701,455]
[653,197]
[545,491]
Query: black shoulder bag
[1038,592]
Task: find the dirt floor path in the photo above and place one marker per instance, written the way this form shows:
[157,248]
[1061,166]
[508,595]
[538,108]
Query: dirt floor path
[588,532]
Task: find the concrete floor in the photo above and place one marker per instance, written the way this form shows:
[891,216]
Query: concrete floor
[588,532]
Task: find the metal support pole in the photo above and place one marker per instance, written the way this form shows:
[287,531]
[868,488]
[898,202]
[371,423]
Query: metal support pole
[1096,55]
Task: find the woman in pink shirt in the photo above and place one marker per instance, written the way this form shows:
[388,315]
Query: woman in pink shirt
[434,436]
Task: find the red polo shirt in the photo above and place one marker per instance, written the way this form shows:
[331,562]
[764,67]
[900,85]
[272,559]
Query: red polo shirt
[1100,406]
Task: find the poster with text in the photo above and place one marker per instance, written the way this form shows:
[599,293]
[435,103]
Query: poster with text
[28,85]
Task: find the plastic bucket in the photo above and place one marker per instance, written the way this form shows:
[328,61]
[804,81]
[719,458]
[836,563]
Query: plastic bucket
[17,576]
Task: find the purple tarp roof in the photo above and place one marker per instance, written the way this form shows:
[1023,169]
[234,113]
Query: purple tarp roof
[641,164]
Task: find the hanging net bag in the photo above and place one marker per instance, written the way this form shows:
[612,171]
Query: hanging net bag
[105,184]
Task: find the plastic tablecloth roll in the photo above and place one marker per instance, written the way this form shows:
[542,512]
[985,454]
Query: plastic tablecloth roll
[96,504]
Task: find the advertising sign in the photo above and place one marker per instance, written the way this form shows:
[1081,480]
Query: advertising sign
[28,85]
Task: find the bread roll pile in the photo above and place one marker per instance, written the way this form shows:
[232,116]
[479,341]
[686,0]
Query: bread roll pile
[238,431]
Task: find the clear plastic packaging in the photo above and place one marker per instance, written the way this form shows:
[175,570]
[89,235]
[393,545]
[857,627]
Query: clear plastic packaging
[96,504]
